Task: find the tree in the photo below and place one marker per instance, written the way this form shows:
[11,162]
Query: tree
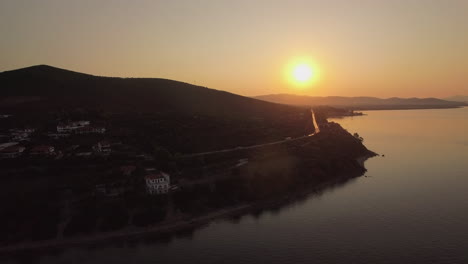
[356,135]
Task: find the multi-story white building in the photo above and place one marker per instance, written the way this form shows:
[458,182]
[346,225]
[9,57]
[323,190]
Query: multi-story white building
[157,182]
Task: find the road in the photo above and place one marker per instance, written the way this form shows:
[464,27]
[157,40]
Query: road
[316,129]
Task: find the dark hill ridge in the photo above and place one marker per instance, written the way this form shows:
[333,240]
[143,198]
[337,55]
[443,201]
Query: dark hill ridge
[148,113]
[60,88]
[45,72]
[360,103]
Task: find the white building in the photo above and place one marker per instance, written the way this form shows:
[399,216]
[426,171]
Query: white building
[103,147]
[68,127]
[58,135]
[12,151]
[157,182]
[90,130]
[21,134]
[8,144]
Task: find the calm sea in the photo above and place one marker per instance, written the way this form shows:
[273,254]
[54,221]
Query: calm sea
[411,207]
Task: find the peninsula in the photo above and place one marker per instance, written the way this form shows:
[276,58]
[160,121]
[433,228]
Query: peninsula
[87,159]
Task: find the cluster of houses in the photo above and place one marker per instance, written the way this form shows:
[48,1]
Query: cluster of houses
[14,140]
[14,150]
[14,146]
[79,127]
[76,127]
[17,134]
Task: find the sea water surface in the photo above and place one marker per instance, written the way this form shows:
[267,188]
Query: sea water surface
[410,207]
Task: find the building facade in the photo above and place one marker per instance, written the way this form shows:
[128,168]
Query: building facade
[157,183]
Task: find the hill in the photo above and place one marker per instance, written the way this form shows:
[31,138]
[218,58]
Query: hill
[458,98]
[53,87]
[360,103]
[147,112]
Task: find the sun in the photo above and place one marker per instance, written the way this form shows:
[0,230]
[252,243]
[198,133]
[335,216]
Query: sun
[302,73]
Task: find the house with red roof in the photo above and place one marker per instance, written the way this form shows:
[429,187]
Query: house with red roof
[157,182]
[42,150]
[12,151]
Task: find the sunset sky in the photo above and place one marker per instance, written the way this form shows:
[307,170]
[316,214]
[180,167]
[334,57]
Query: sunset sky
[404,48]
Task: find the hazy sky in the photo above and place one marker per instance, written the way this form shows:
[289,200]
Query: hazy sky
[382,48]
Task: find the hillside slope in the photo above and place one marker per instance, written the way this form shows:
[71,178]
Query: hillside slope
[62,88]
[147,112]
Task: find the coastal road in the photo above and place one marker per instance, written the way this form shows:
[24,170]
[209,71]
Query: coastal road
[316,131]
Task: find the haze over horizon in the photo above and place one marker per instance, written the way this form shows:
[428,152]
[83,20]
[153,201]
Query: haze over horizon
[366,48]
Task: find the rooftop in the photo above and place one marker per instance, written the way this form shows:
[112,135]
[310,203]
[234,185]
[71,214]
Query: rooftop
[157,175]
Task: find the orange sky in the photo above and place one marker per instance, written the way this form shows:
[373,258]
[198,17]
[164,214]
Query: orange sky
[378,48]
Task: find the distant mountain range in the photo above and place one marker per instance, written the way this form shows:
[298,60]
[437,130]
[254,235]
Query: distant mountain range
[361,103]
[46,87]
[457,98]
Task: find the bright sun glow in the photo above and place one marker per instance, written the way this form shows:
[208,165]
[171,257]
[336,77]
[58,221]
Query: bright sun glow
[303,73]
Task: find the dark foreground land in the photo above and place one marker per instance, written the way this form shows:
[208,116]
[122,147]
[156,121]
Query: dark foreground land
[208,187]
[76,151]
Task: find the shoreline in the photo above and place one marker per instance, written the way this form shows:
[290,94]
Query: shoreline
[364,109]
[408,108]
[178,225]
